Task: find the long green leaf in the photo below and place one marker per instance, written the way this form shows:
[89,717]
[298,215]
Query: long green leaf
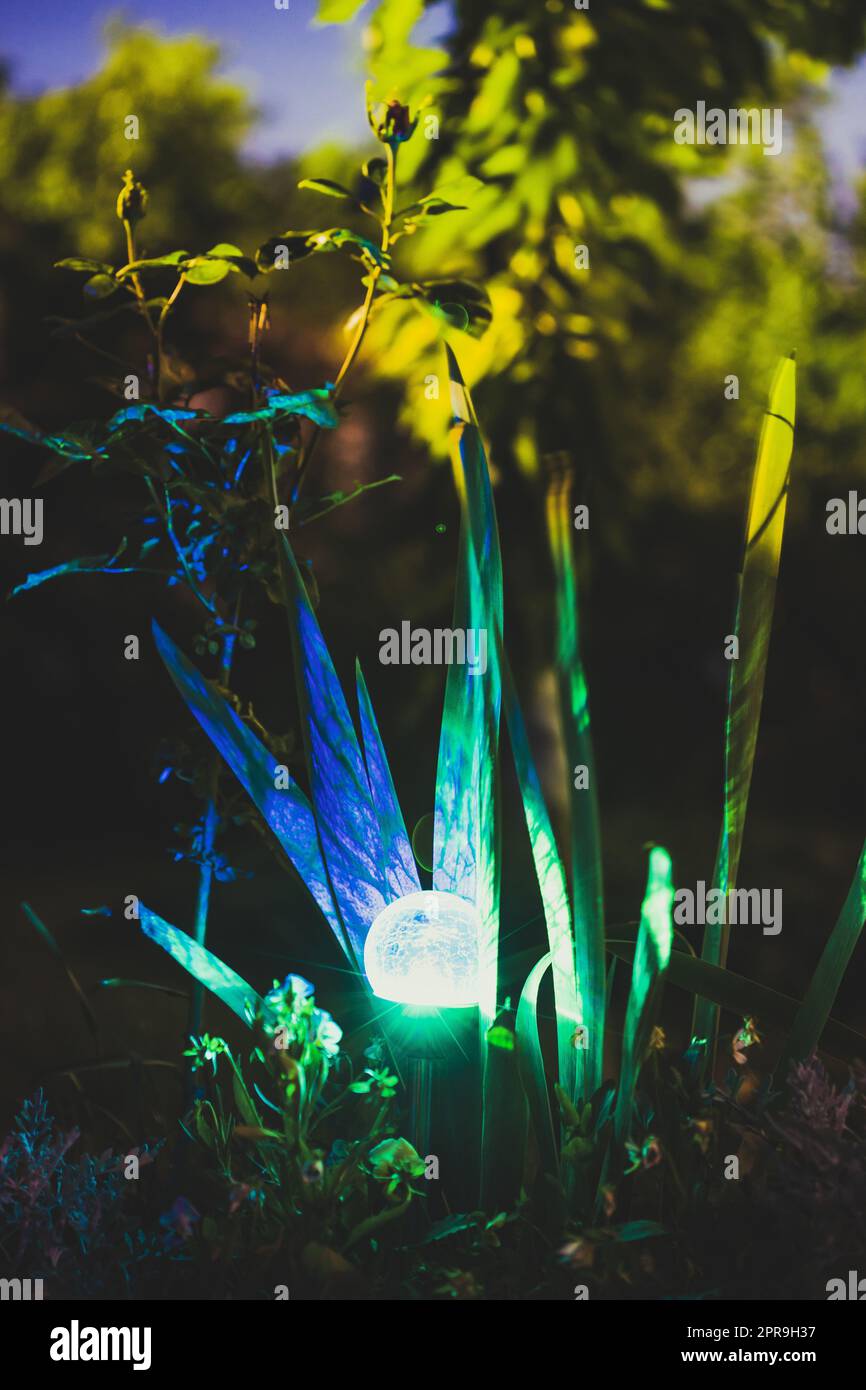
[115,983]
[585,833]
[652,954]
[744,997]
[51,942]
[400,861]
[815,1009]
[465,836]
[765,524]
[509,1118]
[346,820]
[530,1061]
[201,963]
[554,889]
[286,810]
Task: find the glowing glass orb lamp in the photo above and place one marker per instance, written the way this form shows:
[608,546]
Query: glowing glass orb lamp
[423,950]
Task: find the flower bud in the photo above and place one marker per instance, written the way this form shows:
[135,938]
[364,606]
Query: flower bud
[132,199]
[392,123]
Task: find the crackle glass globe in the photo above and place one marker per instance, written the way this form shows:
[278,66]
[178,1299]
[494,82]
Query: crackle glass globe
[423,949]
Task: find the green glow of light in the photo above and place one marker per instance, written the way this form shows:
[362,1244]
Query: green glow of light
[658,904]
[422,949]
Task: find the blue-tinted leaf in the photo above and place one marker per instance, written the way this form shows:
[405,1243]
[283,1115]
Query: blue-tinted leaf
[286,811]
[94,564]
[138,412]
[71,449]
[316,405]
[345,815]
[201,963]
[400,869]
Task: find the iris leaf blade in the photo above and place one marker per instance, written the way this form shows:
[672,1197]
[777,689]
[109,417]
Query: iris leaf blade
[400,869]
[466,816]
[286,810]
[584,820]
[530,1060]
[651,959]
[465,861]
[552,885]
[814,1012]
[745,997]
[765,523]
[348,826]
[201,963]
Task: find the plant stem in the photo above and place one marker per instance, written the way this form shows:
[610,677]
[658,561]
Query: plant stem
[420,1102]
[165,513]
[141,297]
[208,840]
[141,301]
[164,313]
[363,323]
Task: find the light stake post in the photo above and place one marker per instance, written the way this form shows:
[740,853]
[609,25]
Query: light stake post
[422,952]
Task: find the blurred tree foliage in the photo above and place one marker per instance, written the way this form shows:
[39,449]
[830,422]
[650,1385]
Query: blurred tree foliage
[567,117]
[62,157]
[62,152]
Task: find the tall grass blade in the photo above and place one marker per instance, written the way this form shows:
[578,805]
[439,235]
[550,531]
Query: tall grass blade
[345,815]
[400,869]
[652,954]
[744,996]
[509,1115]
[554,890]
[465,834]
[585,832]
[765,526]
[530,1060]
[286,810]
[201,963]
[51,942]
[115,983]
[815,1009]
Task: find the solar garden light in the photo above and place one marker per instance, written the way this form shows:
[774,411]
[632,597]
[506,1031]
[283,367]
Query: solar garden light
[422,952]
